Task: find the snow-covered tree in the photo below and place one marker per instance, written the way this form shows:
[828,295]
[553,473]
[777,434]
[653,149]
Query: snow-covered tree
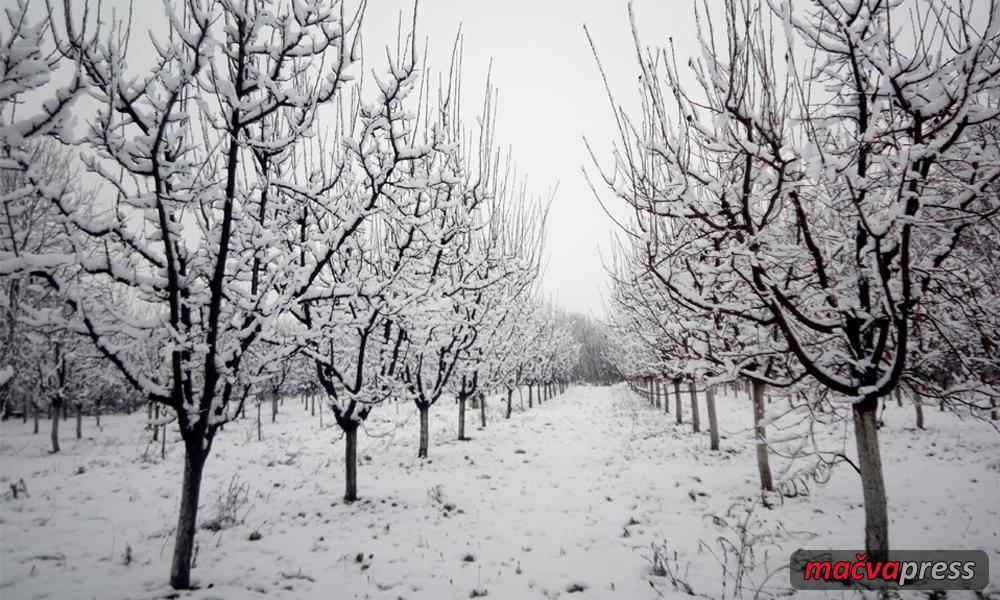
[186,221]
[827,172]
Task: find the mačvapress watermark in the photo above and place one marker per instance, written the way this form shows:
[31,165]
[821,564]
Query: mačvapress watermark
[904,569]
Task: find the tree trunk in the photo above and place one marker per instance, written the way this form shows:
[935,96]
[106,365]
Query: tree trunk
[461,417]
[149,414]
[654,391]
[482,409]
[97,413]
[24,410]
[713,422]
[530,401]
[763,465]
[79,422]
[194,465]
[662,394]
[350,462]
[156,428]
[274,406]
[510,396]
[424,433]
[260,433]
[899,397]
[35,408]
[677,402]
[55,428]
[872,480]
[993,413]
[919,404]
[314,405]
[695,418]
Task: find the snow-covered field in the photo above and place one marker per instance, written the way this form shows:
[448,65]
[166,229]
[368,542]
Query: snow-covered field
[570,499]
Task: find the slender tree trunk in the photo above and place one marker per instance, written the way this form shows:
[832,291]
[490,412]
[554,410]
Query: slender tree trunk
[424,430]
[695,418]
[510,396]
[713,422]
[149,414]
[79,422]
[314,405]
[899,397]
[872,480]
[260,432]
[350,462]
[482,409]
[530,401]
[461,417]
[663,395]
[654,391]
[677,402]
[274,406]
[24,409]
[918,403]
[763,465]
[35,408]
[156,427]
[194,465]
[55,428]
[97,413]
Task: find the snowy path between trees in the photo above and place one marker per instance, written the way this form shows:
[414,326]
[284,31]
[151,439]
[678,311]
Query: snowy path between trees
[563,500]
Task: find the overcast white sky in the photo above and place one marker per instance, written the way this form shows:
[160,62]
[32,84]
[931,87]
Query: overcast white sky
[551,96]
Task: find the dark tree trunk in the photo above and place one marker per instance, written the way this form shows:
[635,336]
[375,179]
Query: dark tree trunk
[156,427]
[677,402]
[424,430]
[350,461]
[530,400]
[510,396]
[461,417]
[482,409]
[899,397]
[763,465]
[872,480]
[79,421]
[314,405]
[713,422]
[260,433]
[97,413]
[695,418]
[35,408]
[662,394]
[274,406]
[55,427]
[25,405]
[194,465]
[919,404]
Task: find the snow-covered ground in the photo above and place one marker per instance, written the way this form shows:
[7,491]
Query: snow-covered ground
[570,499]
